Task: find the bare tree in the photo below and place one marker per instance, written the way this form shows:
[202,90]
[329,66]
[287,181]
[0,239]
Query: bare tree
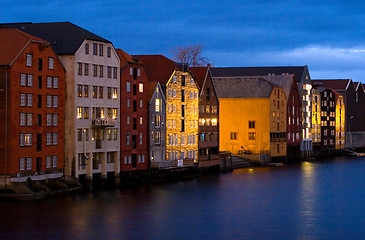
[190,55]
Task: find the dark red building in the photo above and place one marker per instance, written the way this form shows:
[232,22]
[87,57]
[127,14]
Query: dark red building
[32,95]
[133,116]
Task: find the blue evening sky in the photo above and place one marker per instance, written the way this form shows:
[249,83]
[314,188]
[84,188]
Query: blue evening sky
[326,35]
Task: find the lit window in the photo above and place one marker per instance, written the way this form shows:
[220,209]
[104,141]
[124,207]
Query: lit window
[115,93]
[157,105]
[86,91]
[115,113]
[251,136]
[140,87]
[214,122]
[140,120]
[79,112]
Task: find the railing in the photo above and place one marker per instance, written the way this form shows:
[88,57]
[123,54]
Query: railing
[109,122]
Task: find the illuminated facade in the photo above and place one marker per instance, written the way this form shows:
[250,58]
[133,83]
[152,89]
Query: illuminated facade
[182,99]
[252,116]
[328,119]
[316,117]
[340,121]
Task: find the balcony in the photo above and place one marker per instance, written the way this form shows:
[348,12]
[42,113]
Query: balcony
[109,122]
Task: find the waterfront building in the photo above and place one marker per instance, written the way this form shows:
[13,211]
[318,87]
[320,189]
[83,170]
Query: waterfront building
[354,130]
[328,119]
[208,142]
[181,92]
[134,120]
[304,86]
[316,118]
[92,104]
[157,125]
[252,116]
[340,120]
[32,93]
[294,112]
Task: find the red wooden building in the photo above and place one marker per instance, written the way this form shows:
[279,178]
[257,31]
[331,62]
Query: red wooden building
[32,95]
[133,114]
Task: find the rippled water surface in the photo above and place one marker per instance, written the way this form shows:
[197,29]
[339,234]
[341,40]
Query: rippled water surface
[312,200]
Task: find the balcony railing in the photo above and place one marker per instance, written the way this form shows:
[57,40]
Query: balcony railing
[97,122]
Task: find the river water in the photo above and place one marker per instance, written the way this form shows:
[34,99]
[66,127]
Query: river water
[310,200]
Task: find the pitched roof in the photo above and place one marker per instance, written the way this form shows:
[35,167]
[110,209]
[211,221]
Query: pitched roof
[199,74]
[298,71]
[337,94]
[336,84]
[12,44]
[243,87]
[284,81]
[65,37]
[125,58]
[158,67]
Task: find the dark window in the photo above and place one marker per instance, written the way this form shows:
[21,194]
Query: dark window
[134,123]
[182,95]
[134,73]
[39,101]
[251,124]
[134,89]
[39,142]
[208,94]
[40,82]
[134,160]
[182,125]
[134,105]
[182,110]
[182,80]
[40,63]
[134,141]
[39,120]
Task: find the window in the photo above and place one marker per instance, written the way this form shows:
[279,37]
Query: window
[115,134]
[109,134]
[86,91]
[54,138]
[109,71]
[30,80]
[128,136]
[251,124]
[55,101]
[79,112]
[115,112]
[233,135]
[157,137]
[108,52]
[138,72]
[87,48]
[79,68]
[79,135]
[23,99]
[140,87]
[79,90]
[50,63]
[169,92]
[29,100]
[251,136]
[157,105]
[29,163]
[101,92]
[23,79]
[95,49]
[128,120]
[115,93]
[140,138]
[29,119]
[25,139]
[115,72]
[101,49]
[140,103]
[86,69]
[101,70]
[28,61]
[86,113]
[128,102]
[95,91]
[173,92]
[49,82]
[140,120]
[55,82]
[22,119]
[22,164]
[128,86]
[95,70]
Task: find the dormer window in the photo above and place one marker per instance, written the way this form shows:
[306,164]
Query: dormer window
[87,48]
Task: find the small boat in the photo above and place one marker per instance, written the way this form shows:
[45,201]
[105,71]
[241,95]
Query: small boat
[275,164]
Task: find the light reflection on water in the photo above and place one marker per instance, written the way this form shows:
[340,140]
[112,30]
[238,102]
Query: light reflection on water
[311,200]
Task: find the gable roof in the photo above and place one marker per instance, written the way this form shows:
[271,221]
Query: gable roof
[125,58]
[64,37]
[299,71]
[158,67]
[243,87]
[284,81]
[337,94]
[12,44]
[200,74]
[336,84]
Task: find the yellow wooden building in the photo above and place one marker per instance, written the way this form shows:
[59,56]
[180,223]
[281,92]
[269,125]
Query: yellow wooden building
[252,116]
